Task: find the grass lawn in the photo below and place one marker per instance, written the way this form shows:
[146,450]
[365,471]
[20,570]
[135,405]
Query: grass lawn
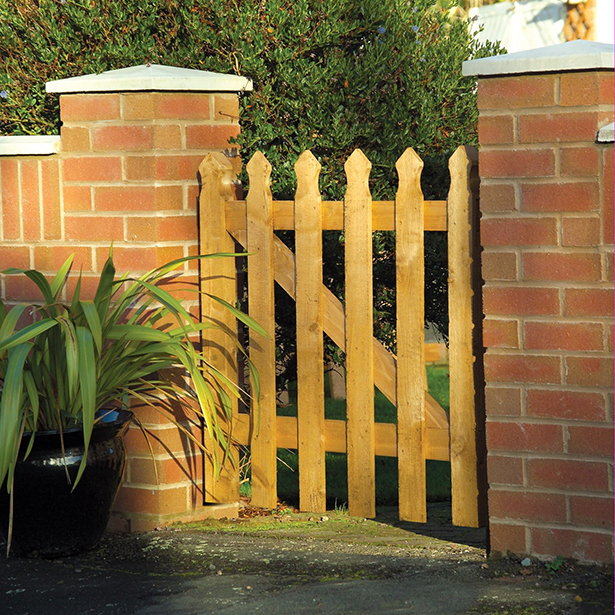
[438,472]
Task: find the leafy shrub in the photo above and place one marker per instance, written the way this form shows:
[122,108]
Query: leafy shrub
[329,75]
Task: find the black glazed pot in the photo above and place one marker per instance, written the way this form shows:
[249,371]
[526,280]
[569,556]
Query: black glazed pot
[51,520]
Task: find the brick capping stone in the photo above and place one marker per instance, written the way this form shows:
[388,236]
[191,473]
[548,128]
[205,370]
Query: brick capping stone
[29,145]
[546,202]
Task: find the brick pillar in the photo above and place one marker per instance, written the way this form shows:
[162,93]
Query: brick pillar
[546,202]
[125,171]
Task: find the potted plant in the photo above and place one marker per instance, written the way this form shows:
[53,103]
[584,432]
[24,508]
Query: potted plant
[65,383]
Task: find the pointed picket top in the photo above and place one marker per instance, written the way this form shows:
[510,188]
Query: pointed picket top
[217,165]
[259,172]
[357,170]
[408,164]
[307,170]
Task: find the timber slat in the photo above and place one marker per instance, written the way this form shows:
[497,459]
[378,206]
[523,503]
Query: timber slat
[359,338]
[261,306]
[410,280]
[461,357]
[310,356]
[383,215]
[217,277]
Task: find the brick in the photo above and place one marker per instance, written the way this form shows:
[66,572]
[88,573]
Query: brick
[506,538]
[167,137]
[516,92]
[580,232]
[590,371]
[193,197]
[585,88]
[122,138]
[499,265]
[152,501]
[588,302]
[609,336]
[500,333]
[608,195]
[502,401]
[89,107]
[177,167]
[178,228]
[568,474]
[150,416]
[92,168]
[75,139]
[497,197]
[547,197]
[124,198]
[169,198]
[522,368]
[11,215]
[137,106]
[168,440]
[580,545]
[597,512]
[77,198]
[201,136]
[14,256]
[609,266]
[517,163]
[226,108]
[592,441]
[570,405]
[94,228]
[142,228]
[30,204]
[20,288]
[520,301]
[558,127]
[140,167]
[493,129]
[503,470]
[50,181]
[132,259]
[563,336]
[518,231]
[579,161]
[543,507]
[181,106]
[524,437]
[556,267]
[51,258]
[177,470]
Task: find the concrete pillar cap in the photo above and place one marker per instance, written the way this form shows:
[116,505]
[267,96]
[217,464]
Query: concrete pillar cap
[571,56]
[151,77]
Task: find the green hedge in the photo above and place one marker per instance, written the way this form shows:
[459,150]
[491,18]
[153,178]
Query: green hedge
[329,75]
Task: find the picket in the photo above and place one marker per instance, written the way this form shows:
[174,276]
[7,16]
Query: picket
[461,358]
[261,306]
[359,335]
[410,284]
[422,430]
[217,277]
[310,356]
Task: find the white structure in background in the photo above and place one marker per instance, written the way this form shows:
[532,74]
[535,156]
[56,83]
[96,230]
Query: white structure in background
[530,24]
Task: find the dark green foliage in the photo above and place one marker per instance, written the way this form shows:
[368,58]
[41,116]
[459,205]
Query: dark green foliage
[329,75]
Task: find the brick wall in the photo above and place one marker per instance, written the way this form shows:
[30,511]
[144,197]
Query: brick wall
[547,234]
[127,174]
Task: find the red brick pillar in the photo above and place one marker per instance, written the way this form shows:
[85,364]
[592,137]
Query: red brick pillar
[546,202]
[131,144]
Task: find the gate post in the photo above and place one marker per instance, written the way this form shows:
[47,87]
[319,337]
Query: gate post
[547,235]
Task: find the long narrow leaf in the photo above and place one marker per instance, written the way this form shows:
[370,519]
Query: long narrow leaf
[60,279]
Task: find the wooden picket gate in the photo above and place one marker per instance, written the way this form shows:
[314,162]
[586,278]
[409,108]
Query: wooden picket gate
[423,430]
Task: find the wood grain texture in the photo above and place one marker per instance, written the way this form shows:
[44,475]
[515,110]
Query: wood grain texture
[309,308]
[217,277]
[261,307]
[461,358]
[383,215]
[410,283]
[359,338]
